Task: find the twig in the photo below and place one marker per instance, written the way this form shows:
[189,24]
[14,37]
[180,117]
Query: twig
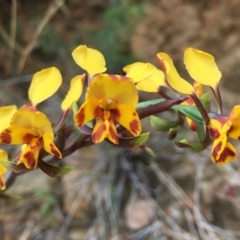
[181,234]
[15,80]
[7,38]
[196,206]
[27,231]
[108,204]
[145,232]
[13,34]
[52,9]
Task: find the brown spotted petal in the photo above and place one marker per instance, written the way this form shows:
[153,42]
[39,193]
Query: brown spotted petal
[17,135]
[50,147]
[88,111]
[112,133]
[100,131]
[30,154]
[128,118]
[222,151]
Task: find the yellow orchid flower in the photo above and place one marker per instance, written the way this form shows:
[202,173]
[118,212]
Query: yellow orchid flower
[220,128]
[44,84]
[110,99]
[6,114]
[3,156]
[74,93]
[200,65]
[173,78]
[89,59]
[146,76]
[32,127]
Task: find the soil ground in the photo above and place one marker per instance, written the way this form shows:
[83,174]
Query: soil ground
[114,193]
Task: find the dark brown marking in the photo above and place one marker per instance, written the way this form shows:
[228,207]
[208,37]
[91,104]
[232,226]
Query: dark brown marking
[134,126]
[193,126]
[29,156]
[98,133]
[113,134]
[225,154]
[214,132]
[98,111]
[54,151]
[216,150]
[79,117]
[115,114]
[28,138]
[6,136]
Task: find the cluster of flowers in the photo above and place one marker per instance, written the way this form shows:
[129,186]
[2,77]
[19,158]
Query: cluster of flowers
[111,110]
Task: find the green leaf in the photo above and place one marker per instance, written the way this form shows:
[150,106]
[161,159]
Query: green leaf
[74,107]
[172,133]
[201,131]
[145,104]
[133,142]
[196,146]
[17,168]
[205,100]
[149,151]
[189,111]
[53,171]
[162,124]
[9,197]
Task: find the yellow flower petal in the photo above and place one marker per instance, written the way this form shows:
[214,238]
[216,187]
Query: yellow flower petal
[139,71]
[235,113]
[153,83]
[192,125]
[50,147]
[202,67]
[88,111]
[100,131]
[219,126]
[30,154]
[30,118]
[146,76]
[218,146]
[112,132]
[44,84]
[128,118]
[223,155]
[17,135]
[234,116]
[174,80]
[6,114]
[89,59]
[198,87]
[117,88]
[3,156]
[74,93]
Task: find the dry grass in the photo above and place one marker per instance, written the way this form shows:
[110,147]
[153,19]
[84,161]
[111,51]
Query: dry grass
[128,195]
[116,194]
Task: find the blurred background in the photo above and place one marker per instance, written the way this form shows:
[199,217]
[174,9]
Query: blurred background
[114,193]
